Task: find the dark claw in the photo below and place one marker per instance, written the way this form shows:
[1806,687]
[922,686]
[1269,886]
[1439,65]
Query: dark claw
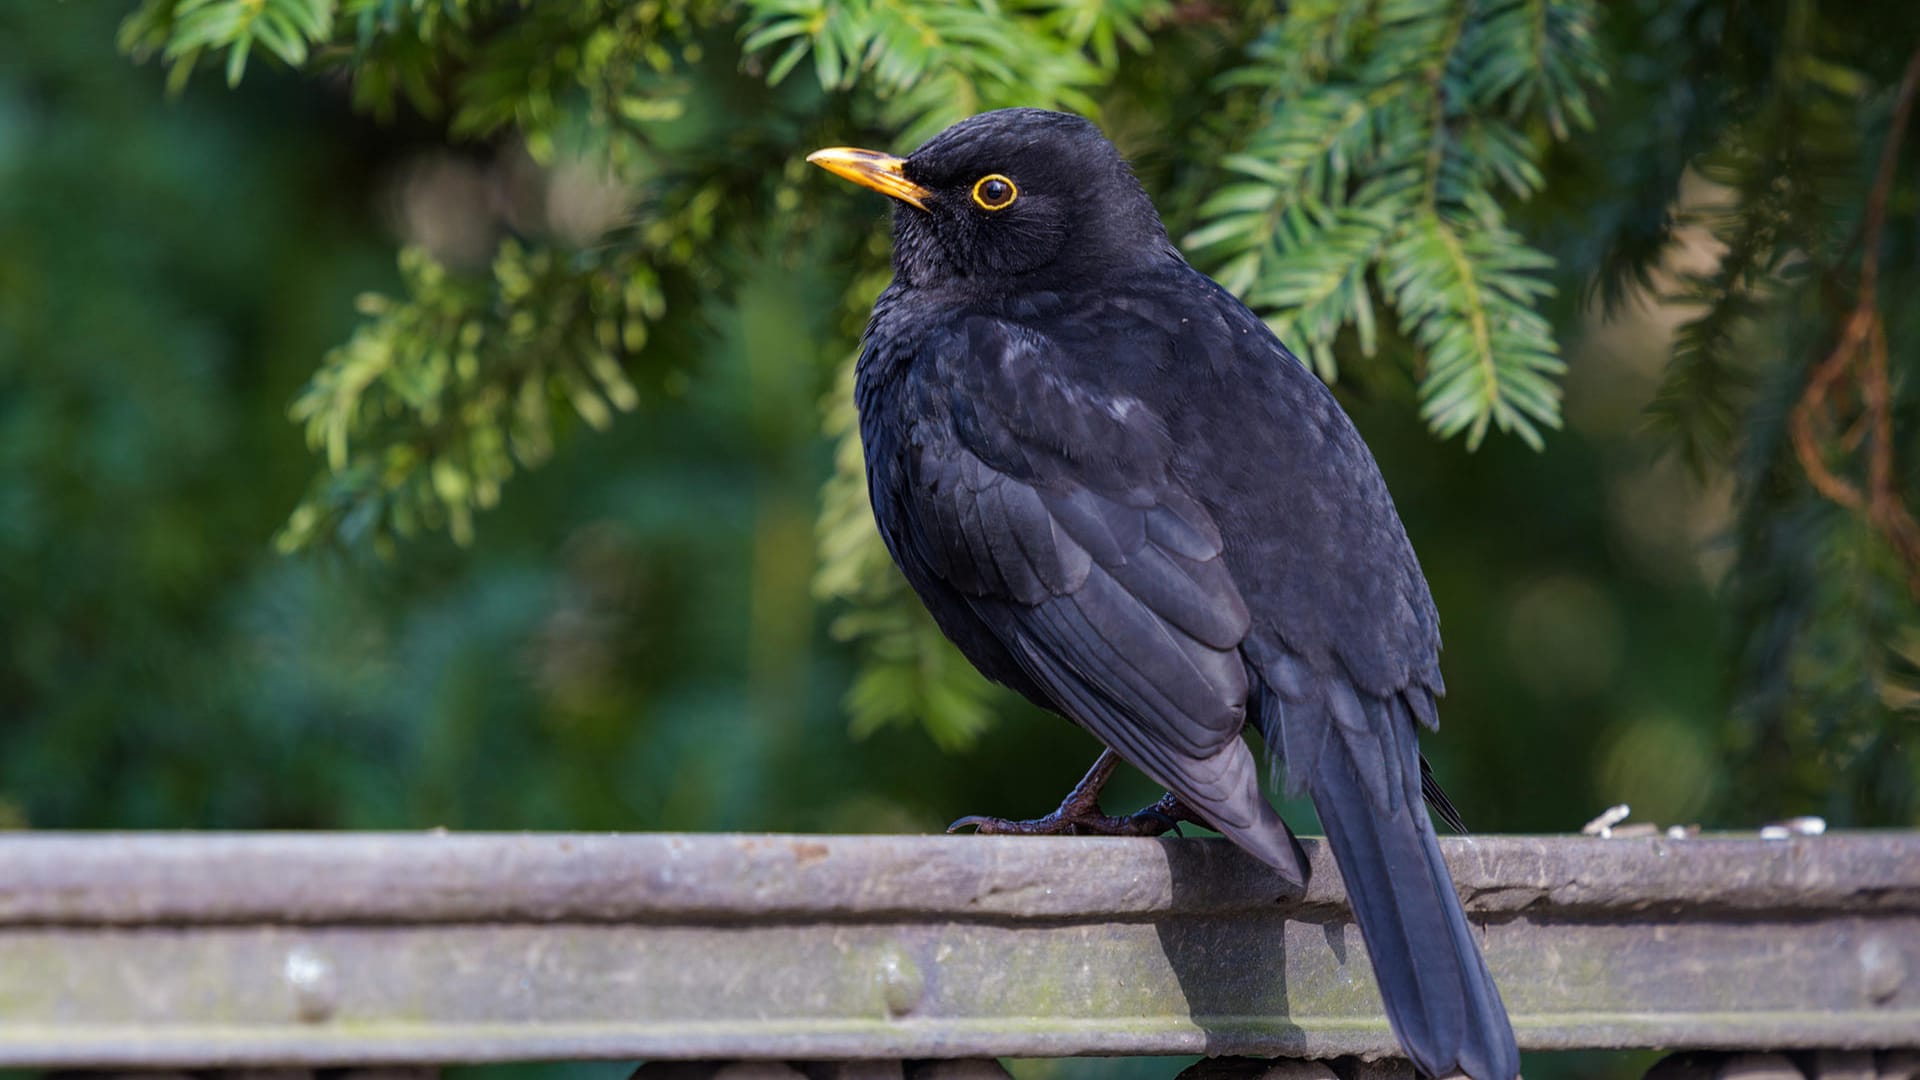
[1075,822]
[1167,824]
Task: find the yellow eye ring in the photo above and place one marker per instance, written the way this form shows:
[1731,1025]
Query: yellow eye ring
[994,192]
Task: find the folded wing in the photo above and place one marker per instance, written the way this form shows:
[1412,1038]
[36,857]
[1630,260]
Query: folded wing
[1110,591]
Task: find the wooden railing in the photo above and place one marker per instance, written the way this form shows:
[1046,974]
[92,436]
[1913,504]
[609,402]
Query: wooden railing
[215,950]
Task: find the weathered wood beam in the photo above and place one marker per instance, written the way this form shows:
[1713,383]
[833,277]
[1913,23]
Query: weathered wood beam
[205,950]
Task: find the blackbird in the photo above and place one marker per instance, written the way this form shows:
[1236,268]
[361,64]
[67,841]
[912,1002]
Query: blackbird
[1120,495]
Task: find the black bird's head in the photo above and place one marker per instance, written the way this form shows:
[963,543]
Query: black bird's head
[1000,198]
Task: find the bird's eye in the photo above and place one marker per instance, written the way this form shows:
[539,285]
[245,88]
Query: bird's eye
[994,192]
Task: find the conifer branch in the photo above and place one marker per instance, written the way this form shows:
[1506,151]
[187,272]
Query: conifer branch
[1862,354]
[1413,125]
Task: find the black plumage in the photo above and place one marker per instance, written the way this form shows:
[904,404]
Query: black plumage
[1119,494]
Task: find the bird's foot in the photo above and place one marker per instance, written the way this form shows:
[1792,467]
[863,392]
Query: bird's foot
[1083,817]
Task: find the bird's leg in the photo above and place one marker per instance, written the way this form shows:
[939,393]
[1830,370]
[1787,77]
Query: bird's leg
[1079,814]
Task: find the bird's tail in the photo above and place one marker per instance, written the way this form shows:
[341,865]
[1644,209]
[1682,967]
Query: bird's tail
[1440,998]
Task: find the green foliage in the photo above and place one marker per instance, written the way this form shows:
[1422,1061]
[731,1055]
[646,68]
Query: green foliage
[185,30]
[1828,711]
[1382,146]
[929,65]
[1463,292]
[499,63]
[1825,702]
[424,413]
[1414,192]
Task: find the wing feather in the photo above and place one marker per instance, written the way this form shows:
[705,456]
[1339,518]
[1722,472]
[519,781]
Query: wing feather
[1110,590]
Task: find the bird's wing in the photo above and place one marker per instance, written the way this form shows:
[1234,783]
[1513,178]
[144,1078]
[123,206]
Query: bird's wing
[1050,508]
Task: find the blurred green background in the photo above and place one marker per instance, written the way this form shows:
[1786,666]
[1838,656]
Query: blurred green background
[645,634]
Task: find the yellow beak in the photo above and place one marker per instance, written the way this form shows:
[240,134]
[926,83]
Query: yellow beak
[872,169]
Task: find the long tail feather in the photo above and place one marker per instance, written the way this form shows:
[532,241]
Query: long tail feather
[1440,998]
